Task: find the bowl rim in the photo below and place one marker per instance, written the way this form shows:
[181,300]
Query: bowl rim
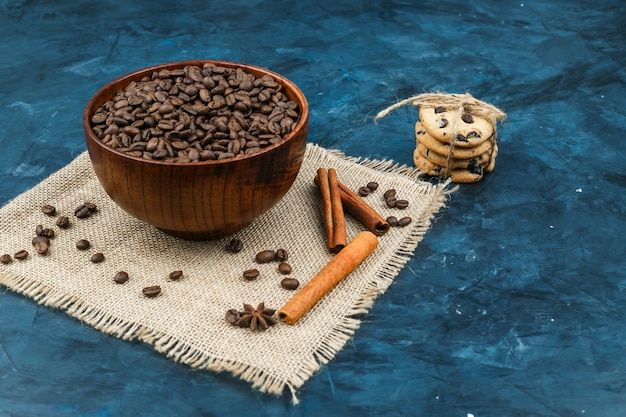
[125,79]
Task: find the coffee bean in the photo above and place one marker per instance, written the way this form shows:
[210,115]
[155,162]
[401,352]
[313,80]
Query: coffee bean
[220,102]
[176,275]
[96,258]
[48,232]
[391,193]
[281,255]
[405,221]
[121,277]
[391,202]
[39,230]
[82,211]
[38,239]
[373,186]
[6,259]
[232,316]
[151,291]
[235,245]
[48,210]
[364,191]
[251,274]
[402,204]
[21,255]
[41,247]
[83,244]
[289,283]
[63,222]
[392,220]
[265,256]
[284,268]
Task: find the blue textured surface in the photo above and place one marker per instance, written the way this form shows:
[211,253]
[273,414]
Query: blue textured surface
[513,304]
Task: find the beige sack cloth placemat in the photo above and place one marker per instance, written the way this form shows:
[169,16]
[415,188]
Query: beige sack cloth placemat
[187,321]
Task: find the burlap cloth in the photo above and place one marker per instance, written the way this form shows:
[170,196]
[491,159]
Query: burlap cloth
[186,322]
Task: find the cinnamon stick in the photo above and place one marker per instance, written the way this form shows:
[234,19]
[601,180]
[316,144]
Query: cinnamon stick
[339,220]
[360,210]
[339,267]
[324,186]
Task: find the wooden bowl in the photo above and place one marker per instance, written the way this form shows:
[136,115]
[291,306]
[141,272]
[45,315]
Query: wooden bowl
[200,200]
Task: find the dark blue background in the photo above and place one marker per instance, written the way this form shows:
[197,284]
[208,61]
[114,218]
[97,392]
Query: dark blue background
[514,302]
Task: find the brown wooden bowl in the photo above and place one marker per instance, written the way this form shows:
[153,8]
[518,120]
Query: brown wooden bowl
[200,200]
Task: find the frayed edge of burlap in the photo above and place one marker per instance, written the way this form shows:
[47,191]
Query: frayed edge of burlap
[185,353]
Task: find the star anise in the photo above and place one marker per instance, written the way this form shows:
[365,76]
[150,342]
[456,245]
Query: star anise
[256,319]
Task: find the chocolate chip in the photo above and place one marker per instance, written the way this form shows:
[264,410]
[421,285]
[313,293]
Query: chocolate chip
[467,118]
[474,167]
[443,123]
[461,138]
[439,109]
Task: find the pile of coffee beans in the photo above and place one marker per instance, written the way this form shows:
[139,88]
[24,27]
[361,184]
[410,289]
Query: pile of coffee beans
[196,114]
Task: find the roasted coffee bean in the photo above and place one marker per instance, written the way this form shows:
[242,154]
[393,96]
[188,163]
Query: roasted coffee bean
[98,257]
[265,256]
[48,232]
[151,291]
[373,186]
[364,191]
[6,259]
[176,275]
[391,202]
[39,230]
[281,255]
[121,277]
[391,193]
[82,211]
[38,239]
[235,245]
[284,268]
[48,210]
[405,221]
[21,255]
[402,204]
[251,274]
[289,283]
[63,222]
[83,244]
[392,220]
[232,316]
[225,103]
[41,247]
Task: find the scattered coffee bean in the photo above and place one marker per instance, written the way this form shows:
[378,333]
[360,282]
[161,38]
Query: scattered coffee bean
[63,222]
[48,232]
[235,245]
[232,316]
[21,255]
[151,291]
[405,221]
[6,259]
[251,274]
[121,277]
[265,256]
[289,283]
[39,230]
[48,210]
[364,191]
[176,275]
[284,268]
[392,220]
[402,204]
[281,255]
[391,202]
[38,239]
[391,193]
[85,210]
[41,247]
[83,244]
[373,186]
[96,258]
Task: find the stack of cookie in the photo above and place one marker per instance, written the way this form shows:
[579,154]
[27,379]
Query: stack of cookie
[455,135]
[453,142]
